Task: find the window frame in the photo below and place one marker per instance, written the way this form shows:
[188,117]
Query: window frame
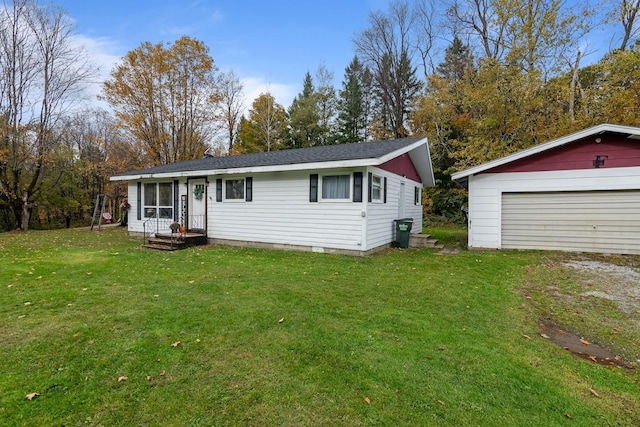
[152,207]
[348,187]
[226,197]
[380,185]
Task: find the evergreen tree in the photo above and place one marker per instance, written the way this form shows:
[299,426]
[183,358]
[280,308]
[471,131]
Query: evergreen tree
[396,86]
[354,103]
[304,116]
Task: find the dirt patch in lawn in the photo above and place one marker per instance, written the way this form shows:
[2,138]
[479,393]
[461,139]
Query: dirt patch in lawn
[581,347]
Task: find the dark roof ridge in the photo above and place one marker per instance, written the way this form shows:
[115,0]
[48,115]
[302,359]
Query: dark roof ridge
[320,153]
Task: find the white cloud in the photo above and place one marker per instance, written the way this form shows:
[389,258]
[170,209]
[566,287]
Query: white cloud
[254,86]
[104,54]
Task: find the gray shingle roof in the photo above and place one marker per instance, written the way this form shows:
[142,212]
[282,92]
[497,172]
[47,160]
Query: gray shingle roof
[328,153]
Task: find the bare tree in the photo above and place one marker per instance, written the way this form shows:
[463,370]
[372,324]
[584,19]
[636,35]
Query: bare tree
[626,13]
[478,19]
[42,73]
[326,102]
[426,33]
[231,104]
[387,48]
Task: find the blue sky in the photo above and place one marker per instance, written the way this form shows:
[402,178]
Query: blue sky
[270,45]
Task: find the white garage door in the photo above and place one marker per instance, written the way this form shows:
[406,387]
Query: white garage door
[588,221]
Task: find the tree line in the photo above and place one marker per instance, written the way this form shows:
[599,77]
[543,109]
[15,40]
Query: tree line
[480,78]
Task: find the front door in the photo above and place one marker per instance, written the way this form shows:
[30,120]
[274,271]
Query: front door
[197,212]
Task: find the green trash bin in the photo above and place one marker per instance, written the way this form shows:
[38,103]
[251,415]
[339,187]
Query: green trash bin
[403,229]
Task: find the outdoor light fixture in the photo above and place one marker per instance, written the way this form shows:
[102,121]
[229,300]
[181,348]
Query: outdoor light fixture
[599,161]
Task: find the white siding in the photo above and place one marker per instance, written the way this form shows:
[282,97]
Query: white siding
[281,213]
[588,221]
[135,225]
[380,216]
[486,190]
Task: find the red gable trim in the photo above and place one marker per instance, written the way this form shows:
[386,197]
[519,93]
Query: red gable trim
[403,166]
[616,151]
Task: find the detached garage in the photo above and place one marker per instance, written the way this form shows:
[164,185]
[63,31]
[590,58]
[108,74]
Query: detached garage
[576,193]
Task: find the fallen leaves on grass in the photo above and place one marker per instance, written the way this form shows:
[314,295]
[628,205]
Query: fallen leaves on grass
[585,342]
[31,396]
[175,344]
[441,402]
[545,336]
[595,393]
[122,378]
[281,320]
[367,400]
[526,336]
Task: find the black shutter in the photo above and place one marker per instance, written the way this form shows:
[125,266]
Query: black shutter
[176,197]
[385,190]
[370,179]
[313,187]
[357,187]
[139,201]
[249,189]
[219,190]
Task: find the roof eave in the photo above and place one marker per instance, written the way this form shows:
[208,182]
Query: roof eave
[420,156]
[632,132]
[250,170]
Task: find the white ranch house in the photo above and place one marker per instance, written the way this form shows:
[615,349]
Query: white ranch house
[340,198]
[580,192]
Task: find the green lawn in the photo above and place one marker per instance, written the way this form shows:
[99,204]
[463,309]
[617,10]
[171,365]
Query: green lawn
[229,336]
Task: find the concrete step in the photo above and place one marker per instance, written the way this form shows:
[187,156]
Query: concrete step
[422,241]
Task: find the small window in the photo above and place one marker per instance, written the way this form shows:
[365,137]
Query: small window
[234,189]
[376,188]
[335,186]
[416,196]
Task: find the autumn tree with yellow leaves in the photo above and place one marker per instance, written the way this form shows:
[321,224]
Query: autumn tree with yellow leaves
[165,97]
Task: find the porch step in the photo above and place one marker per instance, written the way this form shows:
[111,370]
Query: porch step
[422,241]
[169,242]
[162,247]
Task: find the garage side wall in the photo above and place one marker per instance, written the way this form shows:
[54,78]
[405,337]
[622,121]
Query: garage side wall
[486,192]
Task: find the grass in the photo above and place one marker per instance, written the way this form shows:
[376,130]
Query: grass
[404,337]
